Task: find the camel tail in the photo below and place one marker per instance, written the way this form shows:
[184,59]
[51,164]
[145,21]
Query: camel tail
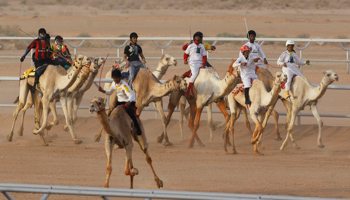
[16,100]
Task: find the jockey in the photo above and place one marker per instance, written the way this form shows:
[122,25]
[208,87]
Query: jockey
[255,49]
[198,58]
[62,55]
[247,66]
[126,96]
[207,46]
[131,57]
[41,55]
[289,61]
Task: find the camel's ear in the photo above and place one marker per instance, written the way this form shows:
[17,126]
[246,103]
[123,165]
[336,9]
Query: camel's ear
[324,72]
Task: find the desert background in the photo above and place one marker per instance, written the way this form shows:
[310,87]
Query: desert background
[309,171]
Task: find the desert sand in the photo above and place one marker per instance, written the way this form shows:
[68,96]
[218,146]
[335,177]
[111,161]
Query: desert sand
[309,171]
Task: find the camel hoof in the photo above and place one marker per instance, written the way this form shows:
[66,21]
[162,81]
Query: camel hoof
[321,146]
[45,144]
[201,145]
[97,138]
[258,153]
[9,138]
[296,147]
[20,133]
[282,148]
[160,139]
[66,128]
[48,127]
[167,144]
[76,141]
[278,139]
[35,132]
[106,186]
[159,183]
[253,141]
[134,171]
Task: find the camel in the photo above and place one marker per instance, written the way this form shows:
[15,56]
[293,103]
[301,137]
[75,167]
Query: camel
[209,88]
[305,94]
[152,90]
[117,127]
[262,100]
[178,99]
[77,95]
[52,85]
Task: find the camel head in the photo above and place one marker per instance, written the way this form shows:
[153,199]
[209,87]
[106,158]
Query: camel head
[330,76]
[280,78]
[97,104]
[96,64]
[78,62]
[178,82]
[233,70]
[168,60]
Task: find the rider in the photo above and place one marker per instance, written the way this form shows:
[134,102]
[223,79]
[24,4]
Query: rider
[61,54]
[289,61]
[207,46]
[247,64]
[255,49]
[125,95]
[131,57]
[198,58]
[41,55]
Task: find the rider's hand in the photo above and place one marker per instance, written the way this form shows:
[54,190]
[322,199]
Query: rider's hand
[256,59]
[22,58]
[127,63]
[185,62]
[308,62]
[213,48]
[265,61]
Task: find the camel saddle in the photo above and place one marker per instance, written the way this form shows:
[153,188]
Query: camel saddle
[31,72]
[284,83]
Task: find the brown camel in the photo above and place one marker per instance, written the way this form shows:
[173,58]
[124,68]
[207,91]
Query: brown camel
[262,100]
[152,90]
[117,132]
[52,85]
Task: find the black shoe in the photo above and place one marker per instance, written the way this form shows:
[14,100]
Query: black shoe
[138,132]
[33,88]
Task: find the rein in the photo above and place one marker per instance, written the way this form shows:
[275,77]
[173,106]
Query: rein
[20,69]
[99,83]
[98,109]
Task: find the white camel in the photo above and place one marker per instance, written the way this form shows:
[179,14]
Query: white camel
[117,132]
[262,100]
[52,85]
[305,94]
[209,88]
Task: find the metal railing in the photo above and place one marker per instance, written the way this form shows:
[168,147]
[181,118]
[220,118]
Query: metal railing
[105,193]
[103,80]
[214,39]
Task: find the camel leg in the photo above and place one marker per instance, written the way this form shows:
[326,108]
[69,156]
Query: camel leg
[142,140]
[258,128]
[182,105]
[23,93]
[159,105]
[63,101]
[222,108]
[196,126]
[41,111]
[28,105]
[289,131]
[320,124]
[54,114]
[109,143]
[129,169]
[210,121]
[191,121]
[246,120]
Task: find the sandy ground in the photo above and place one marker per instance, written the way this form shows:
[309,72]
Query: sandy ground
[309,171]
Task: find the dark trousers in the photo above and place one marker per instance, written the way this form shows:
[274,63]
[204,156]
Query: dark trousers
[130,110]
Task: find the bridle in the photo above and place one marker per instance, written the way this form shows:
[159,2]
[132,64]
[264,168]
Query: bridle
[98,107]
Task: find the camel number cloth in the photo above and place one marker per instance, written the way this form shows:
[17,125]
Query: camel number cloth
[28,73]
